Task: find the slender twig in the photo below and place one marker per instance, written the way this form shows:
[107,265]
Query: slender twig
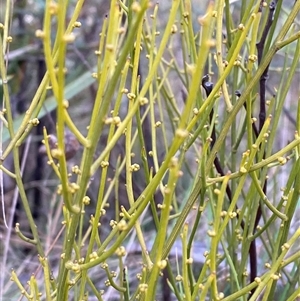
[262,117]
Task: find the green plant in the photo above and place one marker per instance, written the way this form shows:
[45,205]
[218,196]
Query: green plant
[173,118]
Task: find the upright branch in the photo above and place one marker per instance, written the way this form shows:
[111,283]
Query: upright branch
[262,117]
[260,50]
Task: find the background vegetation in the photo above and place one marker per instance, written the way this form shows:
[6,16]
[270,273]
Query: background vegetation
[150,151]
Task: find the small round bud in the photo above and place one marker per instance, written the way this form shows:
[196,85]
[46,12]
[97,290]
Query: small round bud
[211,233]
[162,264]
[217,191]
[189,260]
[69,38]
[121,251]
[134,167]
[143,101]
[109,47]
[122,225]
[257,280]
[178,278]
[53,8]
[180,133]
[77,24]
[34,121]
[131,96]
[39,33]
[143,287]
[174,29]
[86,200]
[104,164]
[252,58]
[136,7]
[241,27]
[76,170]
[285,246]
